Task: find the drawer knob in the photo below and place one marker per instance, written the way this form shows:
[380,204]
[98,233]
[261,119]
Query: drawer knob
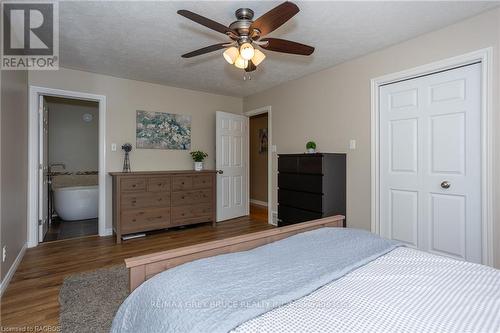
[133,185]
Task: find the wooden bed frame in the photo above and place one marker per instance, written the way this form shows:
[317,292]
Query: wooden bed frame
[144,267]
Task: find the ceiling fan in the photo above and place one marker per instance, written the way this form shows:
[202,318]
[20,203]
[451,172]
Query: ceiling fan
[245,34]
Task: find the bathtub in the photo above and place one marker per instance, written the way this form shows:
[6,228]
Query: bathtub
[77,202]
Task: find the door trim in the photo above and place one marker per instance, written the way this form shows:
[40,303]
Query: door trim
[265,109]
[487,131]
[33,147]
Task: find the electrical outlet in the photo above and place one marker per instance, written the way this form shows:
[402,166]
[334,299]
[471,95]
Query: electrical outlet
[352,144]
[113,147]
[4,253]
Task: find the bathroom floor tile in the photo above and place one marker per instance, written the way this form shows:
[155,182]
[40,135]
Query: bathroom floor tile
[60,229]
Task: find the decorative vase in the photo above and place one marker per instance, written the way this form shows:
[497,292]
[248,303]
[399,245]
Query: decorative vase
[198,166]
[311,150]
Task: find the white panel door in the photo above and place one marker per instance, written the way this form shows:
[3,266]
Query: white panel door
[232,162]
[43,196]
[430,163]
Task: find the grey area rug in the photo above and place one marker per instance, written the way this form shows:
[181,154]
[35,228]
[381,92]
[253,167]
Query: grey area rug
[90,300]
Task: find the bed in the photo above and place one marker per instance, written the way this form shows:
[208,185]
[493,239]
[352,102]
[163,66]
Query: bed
[311,277]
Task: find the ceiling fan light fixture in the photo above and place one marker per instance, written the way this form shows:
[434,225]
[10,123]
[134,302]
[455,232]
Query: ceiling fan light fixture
[258,57]
[241,63]
[231,54]
[247,51]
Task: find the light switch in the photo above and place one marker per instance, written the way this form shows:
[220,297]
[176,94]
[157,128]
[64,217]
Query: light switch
[352,144]
[113,147]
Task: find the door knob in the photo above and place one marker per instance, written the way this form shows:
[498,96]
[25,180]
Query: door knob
[220,172]
[445,184]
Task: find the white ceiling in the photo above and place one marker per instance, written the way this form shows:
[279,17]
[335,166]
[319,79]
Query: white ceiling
[144,40]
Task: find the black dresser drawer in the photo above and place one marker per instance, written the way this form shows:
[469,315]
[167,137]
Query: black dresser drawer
[288,164]
[289,215]
[303,200]
[311,164]
[301,182]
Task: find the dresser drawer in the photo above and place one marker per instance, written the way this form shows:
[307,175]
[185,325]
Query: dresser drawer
[191,214]
[202,181]
[300,182]
[131,200]
[180,183]
[288,164]
[159,184]
[290,215]
[191,197]
[133,184]
[311,164]
[145,220]
[303,200]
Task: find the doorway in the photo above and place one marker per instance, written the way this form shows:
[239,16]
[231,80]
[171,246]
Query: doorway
[70,156]
[258,163]
[431,157]
[67,169]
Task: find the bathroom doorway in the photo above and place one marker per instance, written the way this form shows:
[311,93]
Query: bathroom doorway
[67,166]
[71,149]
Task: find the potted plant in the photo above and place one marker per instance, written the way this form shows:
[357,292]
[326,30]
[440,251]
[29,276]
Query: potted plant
[198,157]
[311,147]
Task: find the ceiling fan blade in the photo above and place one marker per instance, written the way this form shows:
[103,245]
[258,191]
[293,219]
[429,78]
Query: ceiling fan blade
[206,22]
[204,50]
[286,46]
[274,18]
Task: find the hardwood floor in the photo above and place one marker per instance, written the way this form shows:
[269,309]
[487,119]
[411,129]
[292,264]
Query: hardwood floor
[31,300]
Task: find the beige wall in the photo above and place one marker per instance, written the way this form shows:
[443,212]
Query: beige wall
[333,106]
[14,161]
[258,161]
[73,141]
[124,97]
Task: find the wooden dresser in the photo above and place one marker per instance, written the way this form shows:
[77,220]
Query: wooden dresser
[145,201]
[310,186]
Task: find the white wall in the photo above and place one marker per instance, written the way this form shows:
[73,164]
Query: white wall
[124,97]
[73,141]
[333,106]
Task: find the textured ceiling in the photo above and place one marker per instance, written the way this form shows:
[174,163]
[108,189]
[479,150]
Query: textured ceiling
[144,40]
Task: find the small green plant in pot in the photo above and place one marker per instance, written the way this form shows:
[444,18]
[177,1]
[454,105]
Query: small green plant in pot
[198,157]
[311,147]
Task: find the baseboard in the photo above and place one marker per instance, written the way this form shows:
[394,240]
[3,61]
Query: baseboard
[107,232]
[258,202]
[5,282]
[274,218]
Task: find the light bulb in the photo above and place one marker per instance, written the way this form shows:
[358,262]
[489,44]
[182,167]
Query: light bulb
[231,54]
[258,57]
[241,63]
[247,51]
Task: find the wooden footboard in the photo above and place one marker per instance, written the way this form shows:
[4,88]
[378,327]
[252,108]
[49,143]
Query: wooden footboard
[144,267]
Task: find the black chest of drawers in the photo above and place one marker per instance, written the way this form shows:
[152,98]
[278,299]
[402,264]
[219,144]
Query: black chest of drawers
[310,186]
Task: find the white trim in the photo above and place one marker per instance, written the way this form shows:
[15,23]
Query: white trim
[107,232]
[487,132]
[268,110]
[34,92]
[12,270]
[258,202]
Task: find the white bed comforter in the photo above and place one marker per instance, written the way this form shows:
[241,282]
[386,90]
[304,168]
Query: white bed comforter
[405,290]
